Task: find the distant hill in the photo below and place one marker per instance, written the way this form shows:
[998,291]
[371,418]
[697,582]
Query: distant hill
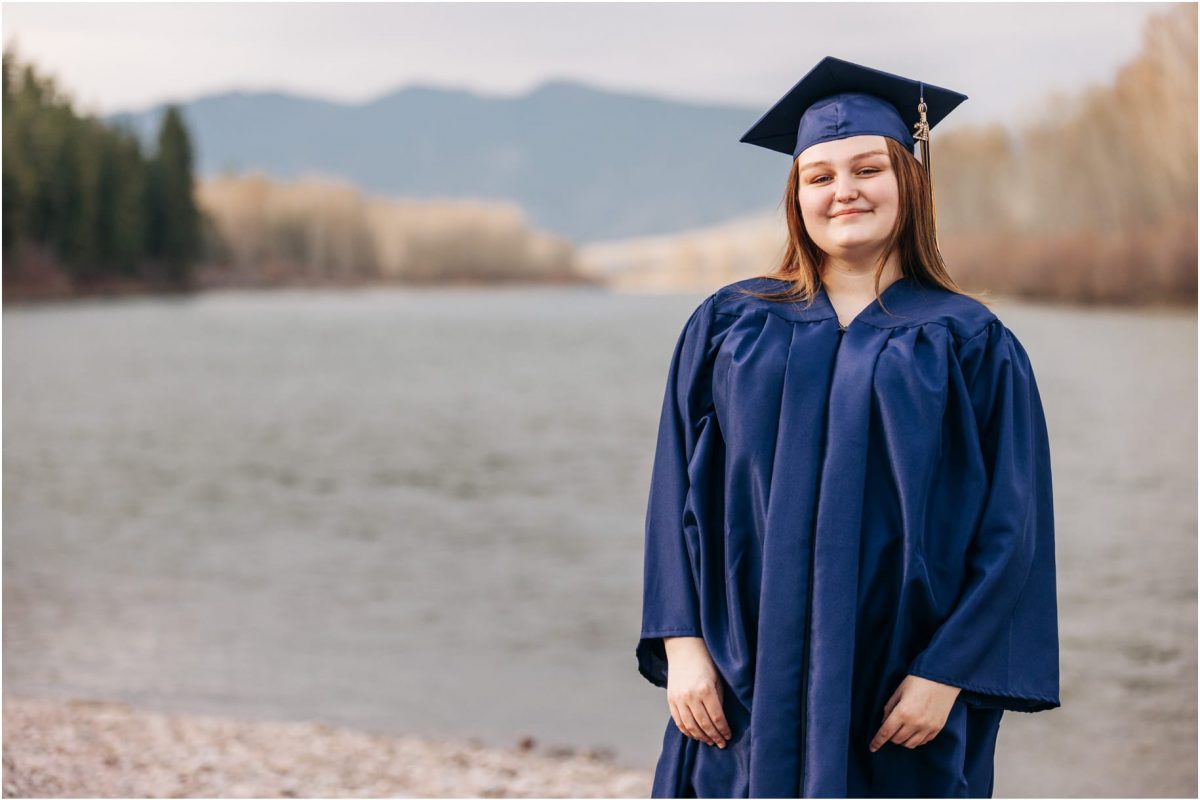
[585,163]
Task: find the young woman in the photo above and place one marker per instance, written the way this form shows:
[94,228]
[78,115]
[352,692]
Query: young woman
[849,566]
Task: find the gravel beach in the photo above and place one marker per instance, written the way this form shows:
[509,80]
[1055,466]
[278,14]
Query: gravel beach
[81,748]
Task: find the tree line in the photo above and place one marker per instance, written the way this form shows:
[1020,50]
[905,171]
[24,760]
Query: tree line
[81,198]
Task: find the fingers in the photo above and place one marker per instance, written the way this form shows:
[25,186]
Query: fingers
[701,717]
[716,713]
[916,739]
[703,714]
[905,733]
[891,724]
[691,727]
[913,715]
[905,729]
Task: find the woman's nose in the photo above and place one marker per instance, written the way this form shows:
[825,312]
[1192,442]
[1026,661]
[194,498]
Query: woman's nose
[845,191]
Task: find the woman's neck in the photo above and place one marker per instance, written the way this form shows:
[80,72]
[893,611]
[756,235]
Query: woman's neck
[857,278]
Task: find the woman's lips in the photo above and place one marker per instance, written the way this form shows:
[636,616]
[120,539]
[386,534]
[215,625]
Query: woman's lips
[853,213]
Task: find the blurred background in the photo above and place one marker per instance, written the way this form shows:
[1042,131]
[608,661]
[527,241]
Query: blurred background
[335,338]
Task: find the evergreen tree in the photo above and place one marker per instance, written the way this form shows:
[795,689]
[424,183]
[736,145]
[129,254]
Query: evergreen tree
[175,220]
[83,192]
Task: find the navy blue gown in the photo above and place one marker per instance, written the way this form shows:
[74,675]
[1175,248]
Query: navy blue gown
[833,510]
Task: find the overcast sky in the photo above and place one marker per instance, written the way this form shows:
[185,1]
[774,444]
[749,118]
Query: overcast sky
[1005,56]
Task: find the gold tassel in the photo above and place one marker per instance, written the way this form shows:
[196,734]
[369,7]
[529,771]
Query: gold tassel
[921,134]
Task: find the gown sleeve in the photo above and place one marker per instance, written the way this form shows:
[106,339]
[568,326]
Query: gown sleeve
[670,604]
[1000,642]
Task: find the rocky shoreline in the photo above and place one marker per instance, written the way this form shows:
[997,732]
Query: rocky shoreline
[85,748]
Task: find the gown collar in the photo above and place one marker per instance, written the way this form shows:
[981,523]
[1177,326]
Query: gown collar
[902,298]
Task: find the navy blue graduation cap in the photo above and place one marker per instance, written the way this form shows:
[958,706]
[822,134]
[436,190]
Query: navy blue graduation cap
[838,99]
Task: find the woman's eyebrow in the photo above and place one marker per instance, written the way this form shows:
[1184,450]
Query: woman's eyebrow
[812,164]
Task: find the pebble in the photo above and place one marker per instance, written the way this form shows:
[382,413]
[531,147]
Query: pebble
[86,748]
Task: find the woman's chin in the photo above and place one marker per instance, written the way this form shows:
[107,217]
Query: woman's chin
[851,246]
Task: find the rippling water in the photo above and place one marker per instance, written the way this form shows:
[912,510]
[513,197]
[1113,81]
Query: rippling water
[421,511]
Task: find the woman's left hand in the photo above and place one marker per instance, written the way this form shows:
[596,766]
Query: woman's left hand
[915,712]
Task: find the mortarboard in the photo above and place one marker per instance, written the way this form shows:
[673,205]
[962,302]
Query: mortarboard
[838,99]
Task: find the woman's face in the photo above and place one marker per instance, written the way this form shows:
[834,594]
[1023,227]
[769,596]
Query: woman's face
[848,175]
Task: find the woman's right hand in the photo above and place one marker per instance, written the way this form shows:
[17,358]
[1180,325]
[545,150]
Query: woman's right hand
[694,691]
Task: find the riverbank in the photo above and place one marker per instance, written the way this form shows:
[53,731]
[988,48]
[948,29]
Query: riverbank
[84,748]
[32,293]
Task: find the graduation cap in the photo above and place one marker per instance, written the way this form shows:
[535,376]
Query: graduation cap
[838,99]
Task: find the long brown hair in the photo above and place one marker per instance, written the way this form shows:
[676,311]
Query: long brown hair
[914,236]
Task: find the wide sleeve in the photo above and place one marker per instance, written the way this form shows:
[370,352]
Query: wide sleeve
[670,605]
[1000,642]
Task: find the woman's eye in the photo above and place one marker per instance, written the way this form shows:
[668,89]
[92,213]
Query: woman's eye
[867,170]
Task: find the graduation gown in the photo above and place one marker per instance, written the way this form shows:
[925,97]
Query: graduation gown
[833,510]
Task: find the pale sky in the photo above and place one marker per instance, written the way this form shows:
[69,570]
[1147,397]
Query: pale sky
[1005,56]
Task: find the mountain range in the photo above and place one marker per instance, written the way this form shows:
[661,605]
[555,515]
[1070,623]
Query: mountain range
[582,162]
